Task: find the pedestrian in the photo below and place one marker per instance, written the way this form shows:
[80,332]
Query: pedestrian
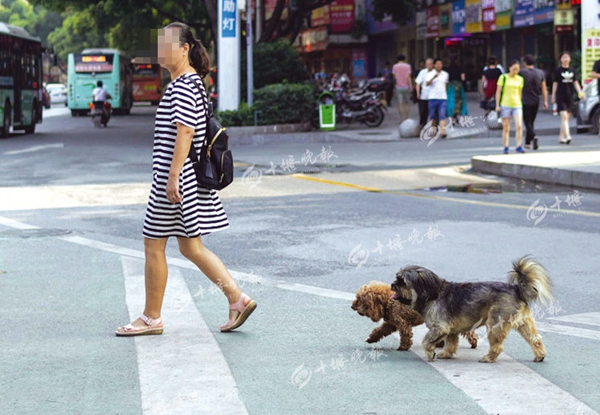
[457,100]
[437,81]
[388,75]
[564,85]
[423,92]
[534,84]
[509,102]
[177,205]
[489,84]
[596,75]
[402,72]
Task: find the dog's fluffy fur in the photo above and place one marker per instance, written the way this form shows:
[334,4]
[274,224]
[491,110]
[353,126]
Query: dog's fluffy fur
[374,300]
[449,308]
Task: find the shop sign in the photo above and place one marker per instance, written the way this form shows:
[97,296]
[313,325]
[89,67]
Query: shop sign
[458,17]
[474,19]
[341,15]
[445,12]
[488,13]
[503,14]
[433,22]
[544,11]
[590,38]
[524,13]
[320,16]
[359,64]
[314,39]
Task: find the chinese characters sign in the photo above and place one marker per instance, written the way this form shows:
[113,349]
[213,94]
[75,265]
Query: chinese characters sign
[228,18]
[341,15]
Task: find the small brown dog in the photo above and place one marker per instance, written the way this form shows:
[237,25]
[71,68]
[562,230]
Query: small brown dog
[375,301]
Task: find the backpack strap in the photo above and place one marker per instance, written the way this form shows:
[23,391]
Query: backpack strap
[208,108]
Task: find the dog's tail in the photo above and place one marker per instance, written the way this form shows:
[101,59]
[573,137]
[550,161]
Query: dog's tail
[532,279]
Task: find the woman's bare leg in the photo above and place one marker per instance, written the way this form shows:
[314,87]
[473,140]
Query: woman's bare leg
[519,129]
[505,131]
[210,264]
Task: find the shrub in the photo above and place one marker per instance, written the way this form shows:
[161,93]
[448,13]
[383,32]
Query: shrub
[244,115]
[284,103]
[274,104]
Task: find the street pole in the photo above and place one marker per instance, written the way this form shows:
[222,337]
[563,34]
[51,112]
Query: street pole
[259,19]
[249,53]
[228,61]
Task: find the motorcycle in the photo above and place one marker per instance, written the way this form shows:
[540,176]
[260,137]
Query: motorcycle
[365,108]
[100,111]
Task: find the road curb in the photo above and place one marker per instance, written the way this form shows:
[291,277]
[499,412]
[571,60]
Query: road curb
[574,176]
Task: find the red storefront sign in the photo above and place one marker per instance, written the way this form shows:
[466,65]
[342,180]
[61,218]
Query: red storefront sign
[433,22]
[341,16]
[488,8]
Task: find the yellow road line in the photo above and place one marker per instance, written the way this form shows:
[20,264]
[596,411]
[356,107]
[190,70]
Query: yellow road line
[440,198]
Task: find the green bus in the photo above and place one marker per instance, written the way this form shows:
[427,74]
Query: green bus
[20,80]
[111,67]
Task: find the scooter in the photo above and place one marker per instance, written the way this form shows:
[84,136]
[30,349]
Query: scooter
[100,111]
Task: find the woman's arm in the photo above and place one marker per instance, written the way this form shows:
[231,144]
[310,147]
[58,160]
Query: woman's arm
[499,93]
[580,92]
[554,86]
[183,142]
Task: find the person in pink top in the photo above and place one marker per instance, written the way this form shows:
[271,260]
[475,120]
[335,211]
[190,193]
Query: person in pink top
[404,86]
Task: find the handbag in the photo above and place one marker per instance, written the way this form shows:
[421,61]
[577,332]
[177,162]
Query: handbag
[214,167]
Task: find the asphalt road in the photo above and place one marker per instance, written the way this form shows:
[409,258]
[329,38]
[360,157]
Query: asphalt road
[310,223]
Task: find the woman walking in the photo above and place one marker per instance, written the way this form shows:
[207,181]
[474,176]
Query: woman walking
[563,88]
[178,206]
[510,104]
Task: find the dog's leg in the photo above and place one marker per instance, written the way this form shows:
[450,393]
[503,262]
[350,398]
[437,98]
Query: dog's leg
[530,334]
[380,332]
[471,337]
[433,337]
[405,337]
[496,335]
[450,347]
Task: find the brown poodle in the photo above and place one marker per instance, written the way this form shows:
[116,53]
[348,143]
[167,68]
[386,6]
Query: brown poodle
[374,300]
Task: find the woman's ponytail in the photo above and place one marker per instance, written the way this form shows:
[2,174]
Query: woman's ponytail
[198,57]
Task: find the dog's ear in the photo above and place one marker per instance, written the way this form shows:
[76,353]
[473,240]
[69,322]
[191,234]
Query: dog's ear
[424,282]
[375,305]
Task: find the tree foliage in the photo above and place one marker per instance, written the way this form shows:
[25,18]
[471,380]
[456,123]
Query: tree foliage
[402,11]
[37,21]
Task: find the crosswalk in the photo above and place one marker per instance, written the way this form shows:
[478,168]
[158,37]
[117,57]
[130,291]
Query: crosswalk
[202,382]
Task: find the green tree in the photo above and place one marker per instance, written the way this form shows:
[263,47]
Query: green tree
[36,20]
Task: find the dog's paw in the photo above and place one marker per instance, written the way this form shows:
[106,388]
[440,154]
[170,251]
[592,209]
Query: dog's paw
[430,356]
[404,348]
[539,358]
[487,359]
[371,340]
[444,355]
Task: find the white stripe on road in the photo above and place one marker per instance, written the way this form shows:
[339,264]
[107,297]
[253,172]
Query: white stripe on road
[33,149]
[569,331]
[183,371]
[590,319]
[491,386]
[56,112]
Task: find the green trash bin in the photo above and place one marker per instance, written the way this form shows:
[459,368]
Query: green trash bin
[326,111]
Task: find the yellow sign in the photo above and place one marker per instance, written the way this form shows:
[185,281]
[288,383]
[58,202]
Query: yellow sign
[590,52]
[564,17]
[474,22]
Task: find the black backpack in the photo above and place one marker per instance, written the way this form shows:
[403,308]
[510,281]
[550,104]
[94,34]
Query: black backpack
[214,167]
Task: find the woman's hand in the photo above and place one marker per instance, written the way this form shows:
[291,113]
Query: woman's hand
[173,194]
[497,108]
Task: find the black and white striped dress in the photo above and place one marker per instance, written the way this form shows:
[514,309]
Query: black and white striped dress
[200,212]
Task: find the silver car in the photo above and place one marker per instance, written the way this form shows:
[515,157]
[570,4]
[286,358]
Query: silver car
[588,114]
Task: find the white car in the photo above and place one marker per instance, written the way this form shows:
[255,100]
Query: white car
[58,93]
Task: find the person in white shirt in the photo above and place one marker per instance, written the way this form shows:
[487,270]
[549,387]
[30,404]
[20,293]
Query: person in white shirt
[423,92]
[100,95]
[437,81]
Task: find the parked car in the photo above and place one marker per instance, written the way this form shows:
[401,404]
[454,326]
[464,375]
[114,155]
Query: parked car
[58,93]
[45,97]
[588,114]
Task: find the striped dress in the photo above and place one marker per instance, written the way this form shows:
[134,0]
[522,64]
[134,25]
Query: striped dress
[200,212]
